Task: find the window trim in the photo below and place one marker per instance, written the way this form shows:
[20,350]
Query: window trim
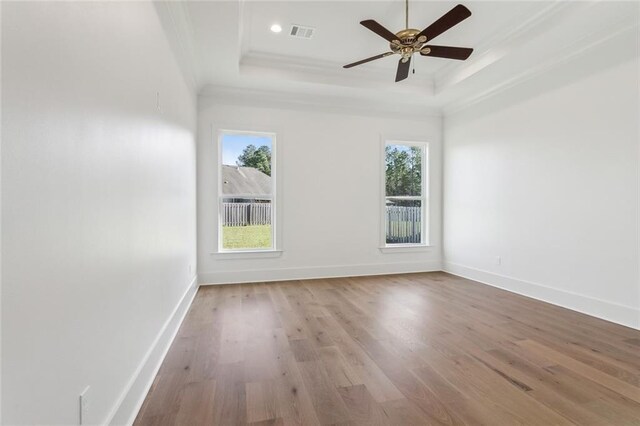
[424,197]
[220,132]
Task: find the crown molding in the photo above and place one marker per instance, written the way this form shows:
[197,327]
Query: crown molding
[327,72]
[502,42]
[580,48]
[227,95]
[178,28]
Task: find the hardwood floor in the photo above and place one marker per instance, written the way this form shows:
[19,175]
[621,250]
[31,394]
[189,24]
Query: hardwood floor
[407,349]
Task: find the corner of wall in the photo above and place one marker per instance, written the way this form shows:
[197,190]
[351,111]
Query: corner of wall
[1,422]
[443,147]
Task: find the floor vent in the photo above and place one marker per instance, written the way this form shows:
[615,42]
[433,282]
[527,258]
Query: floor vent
[301,32]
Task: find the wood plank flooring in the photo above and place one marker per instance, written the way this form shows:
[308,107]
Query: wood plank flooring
[413,349]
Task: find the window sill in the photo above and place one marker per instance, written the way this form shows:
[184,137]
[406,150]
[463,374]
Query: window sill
[247,254]
[405,248]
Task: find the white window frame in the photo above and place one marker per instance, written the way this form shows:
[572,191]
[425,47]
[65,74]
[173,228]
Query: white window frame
[271,197]
[423,197]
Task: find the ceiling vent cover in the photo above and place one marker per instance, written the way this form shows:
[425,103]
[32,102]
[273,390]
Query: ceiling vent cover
[300,31]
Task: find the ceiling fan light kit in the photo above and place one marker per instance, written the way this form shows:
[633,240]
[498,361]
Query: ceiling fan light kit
[409,41]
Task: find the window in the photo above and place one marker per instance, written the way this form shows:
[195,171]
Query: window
[246,191]
[406,191]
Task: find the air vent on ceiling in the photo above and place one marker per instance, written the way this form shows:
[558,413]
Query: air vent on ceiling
[301,32]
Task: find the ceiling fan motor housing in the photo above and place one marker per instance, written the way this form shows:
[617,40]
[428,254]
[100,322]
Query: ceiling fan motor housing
[408,42]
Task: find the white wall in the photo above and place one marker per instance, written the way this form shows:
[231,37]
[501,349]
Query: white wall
[98,204]
[0,219]
[546,178]
[329,177]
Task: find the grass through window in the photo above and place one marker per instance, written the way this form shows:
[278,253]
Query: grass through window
[246,237]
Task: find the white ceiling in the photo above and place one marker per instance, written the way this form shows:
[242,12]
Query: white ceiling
[228,50]
[340,39]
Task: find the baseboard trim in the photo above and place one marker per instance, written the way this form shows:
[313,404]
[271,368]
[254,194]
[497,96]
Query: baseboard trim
[619,314]
[286,274]
[131,399]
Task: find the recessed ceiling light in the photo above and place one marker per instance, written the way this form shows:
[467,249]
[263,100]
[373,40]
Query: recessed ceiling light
[275,28]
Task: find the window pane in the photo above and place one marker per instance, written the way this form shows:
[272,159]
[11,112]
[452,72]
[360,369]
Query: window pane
[403,221]
[403,170]
[246,223]
[246,164]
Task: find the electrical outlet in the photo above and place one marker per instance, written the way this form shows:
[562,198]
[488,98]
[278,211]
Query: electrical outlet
[190,270]
[498,260]
[84,406]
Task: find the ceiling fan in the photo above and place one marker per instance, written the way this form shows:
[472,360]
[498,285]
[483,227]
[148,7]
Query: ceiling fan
[409,41]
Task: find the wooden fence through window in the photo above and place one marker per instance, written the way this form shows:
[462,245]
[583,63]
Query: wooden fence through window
[245,214]
[403,224]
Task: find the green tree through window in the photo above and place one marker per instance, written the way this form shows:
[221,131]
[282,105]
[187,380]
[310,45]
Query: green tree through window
[403,170]
[259,158]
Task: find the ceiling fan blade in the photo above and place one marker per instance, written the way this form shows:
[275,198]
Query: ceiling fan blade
[373,58]
[446,21]
[403,69]
[460,53]
[380,30]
